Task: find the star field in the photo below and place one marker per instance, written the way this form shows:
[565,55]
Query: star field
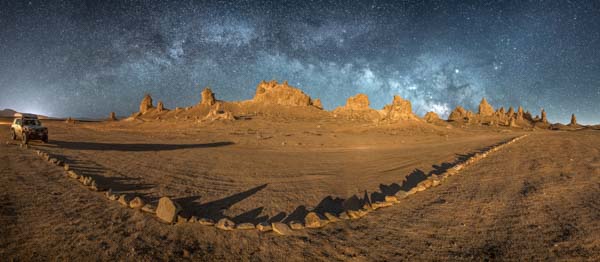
[88,58]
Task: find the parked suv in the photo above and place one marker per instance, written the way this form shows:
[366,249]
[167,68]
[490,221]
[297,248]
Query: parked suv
[27,127]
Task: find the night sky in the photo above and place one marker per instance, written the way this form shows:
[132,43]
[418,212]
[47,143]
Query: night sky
[87,58]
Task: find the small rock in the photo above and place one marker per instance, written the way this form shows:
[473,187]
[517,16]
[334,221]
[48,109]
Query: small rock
[124,200]
[206,221]
[72,174]
[344,216]
[391,199]
[245,226]
[167,210]
[331,217]
[181,219]
[59,163]
[95,187]
[66,167]
[296,225]
[225,224]
[401,194]
[356,214]
[312,220]
[264,227]
[378,205]
[281,228]
[137,202]
[109,194]
[149,209]
[193,219]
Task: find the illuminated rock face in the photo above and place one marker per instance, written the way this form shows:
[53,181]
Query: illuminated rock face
[485,109]
[400,109]
[458,114]
[431,117]
[281,94]
[146,104]
[573,120]
[208,97]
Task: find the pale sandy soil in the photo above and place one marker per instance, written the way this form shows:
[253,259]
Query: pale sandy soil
[537,199]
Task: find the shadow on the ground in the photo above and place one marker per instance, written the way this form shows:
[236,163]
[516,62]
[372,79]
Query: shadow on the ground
[133,147]
[329,204]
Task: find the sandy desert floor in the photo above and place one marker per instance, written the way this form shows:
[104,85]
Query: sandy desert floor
[536,199]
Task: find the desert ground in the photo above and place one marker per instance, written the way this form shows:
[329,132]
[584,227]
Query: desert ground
[536,199]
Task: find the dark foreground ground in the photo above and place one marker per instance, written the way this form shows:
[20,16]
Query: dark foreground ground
[538,199]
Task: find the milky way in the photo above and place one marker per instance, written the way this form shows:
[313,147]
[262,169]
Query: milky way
[85,59]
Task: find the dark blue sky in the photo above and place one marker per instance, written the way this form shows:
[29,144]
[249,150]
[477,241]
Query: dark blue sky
[85,59]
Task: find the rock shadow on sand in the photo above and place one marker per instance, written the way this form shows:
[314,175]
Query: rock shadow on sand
[134,147]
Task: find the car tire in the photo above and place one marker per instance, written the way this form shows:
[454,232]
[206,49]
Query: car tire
[25,139]
[13,136]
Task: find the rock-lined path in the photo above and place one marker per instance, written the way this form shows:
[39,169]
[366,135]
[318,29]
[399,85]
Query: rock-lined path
[526,201]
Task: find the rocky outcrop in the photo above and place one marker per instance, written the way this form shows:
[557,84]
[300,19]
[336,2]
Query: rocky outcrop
[317,103]
[520,114]
[357,108]
[208,97]
[544,117]
[573,120]
[512,122]
[485,109]
[160,106]
[431,117]
[146,104]
[357,102]
[112,116]
[400,109]
[459,114]
[280,94]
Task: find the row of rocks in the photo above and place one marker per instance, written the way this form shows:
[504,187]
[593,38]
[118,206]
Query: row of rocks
[170,211]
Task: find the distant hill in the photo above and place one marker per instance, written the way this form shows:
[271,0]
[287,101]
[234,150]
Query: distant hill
[10,113]
[7,113]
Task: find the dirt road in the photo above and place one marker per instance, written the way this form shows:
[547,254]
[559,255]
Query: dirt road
[537,199]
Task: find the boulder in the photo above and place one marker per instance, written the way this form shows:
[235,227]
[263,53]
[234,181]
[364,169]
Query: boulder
[280,94]
[264,227]
[331,217]
[146,104]
[281,228]
[181,219]
[245,226]
[485,109]
[110,195]
[225,224]
[207,97]
[124,200]
[167,210]
[137,203]
[391,199]
[148,208]
[218,115]
[296,225]
[312,220]
[206,221]
[378,205]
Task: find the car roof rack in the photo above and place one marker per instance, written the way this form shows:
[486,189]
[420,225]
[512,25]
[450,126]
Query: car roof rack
[24,115]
